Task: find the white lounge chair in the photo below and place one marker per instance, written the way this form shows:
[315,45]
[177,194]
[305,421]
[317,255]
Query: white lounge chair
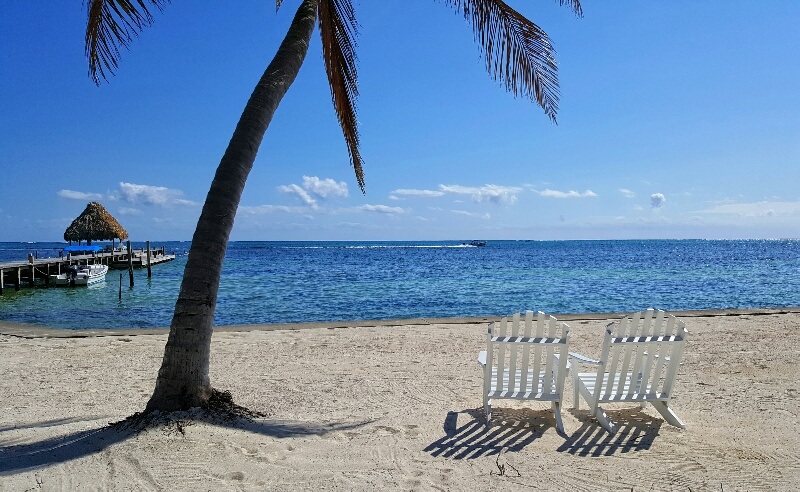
[522,362]
[639,361]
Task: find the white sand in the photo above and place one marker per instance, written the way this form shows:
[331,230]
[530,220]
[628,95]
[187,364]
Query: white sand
[396,408]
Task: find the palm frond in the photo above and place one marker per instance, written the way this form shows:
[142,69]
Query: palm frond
[111,24]
[518,53]
[278,4]
[338,29]
[575,5]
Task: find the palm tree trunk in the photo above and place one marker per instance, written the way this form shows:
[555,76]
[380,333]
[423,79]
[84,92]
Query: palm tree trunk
[183,381]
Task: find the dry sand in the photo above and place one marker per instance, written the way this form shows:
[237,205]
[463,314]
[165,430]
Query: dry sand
[394,407]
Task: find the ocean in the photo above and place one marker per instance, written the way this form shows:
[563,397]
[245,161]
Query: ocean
[287,282]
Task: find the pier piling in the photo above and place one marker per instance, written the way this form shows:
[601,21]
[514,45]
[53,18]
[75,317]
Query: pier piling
[130,263]
[149,273]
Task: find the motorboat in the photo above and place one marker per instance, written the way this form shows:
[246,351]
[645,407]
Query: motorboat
[477,243]
[81,275]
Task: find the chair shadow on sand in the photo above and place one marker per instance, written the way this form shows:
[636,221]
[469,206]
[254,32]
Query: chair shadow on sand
[637,431]
[18,454]
[513,429]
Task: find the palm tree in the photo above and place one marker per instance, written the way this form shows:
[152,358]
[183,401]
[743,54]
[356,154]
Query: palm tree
[517,53]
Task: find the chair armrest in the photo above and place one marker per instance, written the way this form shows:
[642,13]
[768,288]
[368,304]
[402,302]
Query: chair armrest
[582,358]
[556,358]
[482,358]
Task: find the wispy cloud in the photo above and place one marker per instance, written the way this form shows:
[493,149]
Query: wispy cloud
[129,211]
[79,195]
[548,193]
[657,199]
[407,192]
[152,195]
[485,194]
[270,209]
[756,209]
[381,209]
[627,193]
[485,216]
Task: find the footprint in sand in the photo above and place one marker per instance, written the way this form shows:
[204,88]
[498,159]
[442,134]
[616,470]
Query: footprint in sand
[238,476]
[383,430]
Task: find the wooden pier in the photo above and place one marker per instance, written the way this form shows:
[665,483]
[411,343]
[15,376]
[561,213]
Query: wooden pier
[28,272]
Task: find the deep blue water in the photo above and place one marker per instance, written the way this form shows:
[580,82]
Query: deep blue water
[278,282]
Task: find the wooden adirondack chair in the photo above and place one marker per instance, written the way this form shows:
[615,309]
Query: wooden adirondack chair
[522,362]
[639,361]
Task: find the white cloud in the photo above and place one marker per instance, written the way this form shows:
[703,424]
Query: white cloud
[756,209]
[657,199]
[152,195]
[627,193]
[566,194]
[382,209]
[320,188]
[407,192]
[485,194]
[300,192]
[129,211]
[79,195]
[324,187]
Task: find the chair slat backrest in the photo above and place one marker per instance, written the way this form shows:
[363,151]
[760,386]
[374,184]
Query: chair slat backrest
[641,357]
[526,350]
[520,356]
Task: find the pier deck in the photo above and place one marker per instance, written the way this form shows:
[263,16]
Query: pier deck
[28,272]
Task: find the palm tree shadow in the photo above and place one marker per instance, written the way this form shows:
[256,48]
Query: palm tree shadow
[636,432]
[16,456]
[510,430]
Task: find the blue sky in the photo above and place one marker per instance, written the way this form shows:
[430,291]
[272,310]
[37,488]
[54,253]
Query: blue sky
[678,119]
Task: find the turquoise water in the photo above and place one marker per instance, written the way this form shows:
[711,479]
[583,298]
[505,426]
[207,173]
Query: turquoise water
[279,282]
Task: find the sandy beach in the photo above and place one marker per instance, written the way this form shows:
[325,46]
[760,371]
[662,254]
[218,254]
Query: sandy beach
[396,406]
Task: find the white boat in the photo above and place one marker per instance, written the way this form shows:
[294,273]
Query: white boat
[81,275]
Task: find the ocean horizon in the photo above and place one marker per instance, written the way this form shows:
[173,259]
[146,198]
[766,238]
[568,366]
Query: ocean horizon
[313,281]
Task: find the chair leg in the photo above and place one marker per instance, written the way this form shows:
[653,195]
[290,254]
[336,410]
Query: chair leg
[576,399]
[487,409]
[668,414]
[604,421]
[557,412]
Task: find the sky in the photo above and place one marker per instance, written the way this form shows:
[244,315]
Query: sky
[677,119]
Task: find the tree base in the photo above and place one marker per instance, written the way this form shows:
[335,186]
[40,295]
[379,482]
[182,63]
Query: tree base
[219,408]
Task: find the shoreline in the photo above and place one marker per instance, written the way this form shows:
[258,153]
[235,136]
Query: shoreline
[23,330]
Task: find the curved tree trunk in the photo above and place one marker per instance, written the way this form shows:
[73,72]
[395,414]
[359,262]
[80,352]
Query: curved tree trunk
[183,381]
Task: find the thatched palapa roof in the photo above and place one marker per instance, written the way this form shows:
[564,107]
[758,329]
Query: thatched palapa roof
[94,223]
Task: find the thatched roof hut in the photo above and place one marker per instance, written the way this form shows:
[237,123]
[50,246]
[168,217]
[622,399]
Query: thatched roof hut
[95,223]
